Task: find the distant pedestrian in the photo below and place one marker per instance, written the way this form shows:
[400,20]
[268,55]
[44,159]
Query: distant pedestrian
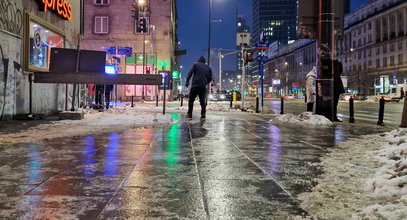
[98,96]
[201,75]
[338,87]
[311,78]
[108,89]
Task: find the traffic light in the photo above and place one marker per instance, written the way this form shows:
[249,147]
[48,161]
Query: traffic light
[247,57]
[148,70]
[142,25]
[175,74]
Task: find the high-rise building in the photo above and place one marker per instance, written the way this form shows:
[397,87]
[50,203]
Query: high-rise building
[276,19]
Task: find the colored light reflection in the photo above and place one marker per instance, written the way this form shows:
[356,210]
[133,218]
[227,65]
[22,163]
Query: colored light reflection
[89,160]
[110,69]
[34,165]
[173,145]
[111,159]
[274,150]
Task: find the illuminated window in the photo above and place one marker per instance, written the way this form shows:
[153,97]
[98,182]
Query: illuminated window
[40,38]
[101,25]
[101,2]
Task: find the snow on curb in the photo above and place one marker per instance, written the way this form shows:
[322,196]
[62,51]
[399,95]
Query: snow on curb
[364,178]
[305,118]
[113,120]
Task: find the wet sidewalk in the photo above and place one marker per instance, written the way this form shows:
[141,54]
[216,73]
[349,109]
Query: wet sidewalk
[233,165]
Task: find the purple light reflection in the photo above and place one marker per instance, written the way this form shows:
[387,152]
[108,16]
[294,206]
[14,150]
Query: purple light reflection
[274,150]
[111,158]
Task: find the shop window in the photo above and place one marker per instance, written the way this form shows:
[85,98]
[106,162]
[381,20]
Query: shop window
[40,38]
[101,2]
[101,25]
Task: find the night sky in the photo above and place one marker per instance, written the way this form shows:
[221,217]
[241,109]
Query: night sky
[193,29]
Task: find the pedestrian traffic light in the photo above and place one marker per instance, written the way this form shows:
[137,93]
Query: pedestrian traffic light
[142,25]
[247,57]
[148,69]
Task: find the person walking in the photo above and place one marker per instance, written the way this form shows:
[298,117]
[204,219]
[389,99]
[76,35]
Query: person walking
[201,75]
[311,78]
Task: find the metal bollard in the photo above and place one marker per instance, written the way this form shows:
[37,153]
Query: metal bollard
[132,101]
[231,100]
[404,115]
[182,99]
[282,105]
[156,100]
[257,104]
[381,112]
[351,110]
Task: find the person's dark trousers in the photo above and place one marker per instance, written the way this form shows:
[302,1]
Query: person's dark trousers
[107,98]
[98,98]
[310,107]
[197,91]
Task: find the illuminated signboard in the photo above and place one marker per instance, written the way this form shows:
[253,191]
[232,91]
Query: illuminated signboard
[276,81]
[60,7]
[110,69]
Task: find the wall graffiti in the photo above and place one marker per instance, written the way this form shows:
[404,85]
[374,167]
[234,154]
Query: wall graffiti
[11,18]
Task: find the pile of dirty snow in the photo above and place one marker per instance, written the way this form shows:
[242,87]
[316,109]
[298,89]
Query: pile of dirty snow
[94,122]
[363,178]
[305,118]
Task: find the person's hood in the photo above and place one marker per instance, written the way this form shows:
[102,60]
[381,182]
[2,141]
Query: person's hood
[311,73]
[202,59]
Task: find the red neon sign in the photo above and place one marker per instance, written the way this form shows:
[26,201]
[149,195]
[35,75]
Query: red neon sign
[60,7]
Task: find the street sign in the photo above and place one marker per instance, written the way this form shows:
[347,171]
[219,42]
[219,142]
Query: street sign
[262,46]
[125,51]
[110,50]
[262,59]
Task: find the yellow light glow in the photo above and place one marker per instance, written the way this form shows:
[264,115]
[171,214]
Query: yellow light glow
[141,2]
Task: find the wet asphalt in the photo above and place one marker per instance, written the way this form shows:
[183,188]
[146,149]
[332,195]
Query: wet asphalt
[230,166]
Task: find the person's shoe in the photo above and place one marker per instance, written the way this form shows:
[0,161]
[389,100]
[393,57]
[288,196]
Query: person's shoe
[188,116]
[203,117]
[337,120]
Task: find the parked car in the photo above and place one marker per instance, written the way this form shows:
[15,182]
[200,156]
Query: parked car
[219,96]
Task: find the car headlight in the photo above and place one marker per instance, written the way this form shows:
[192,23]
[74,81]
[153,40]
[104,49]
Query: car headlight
[222,97]
[210,96]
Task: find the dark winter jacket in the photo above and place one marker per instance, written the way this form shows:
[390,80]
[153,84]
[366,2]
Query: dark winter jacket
[201,74]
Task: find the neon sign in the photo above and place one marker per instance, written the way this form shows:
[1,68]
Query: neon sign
[60,7]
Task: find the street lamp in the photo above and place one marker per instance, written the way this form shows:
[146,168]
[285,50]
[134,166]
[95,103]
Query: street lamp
[209,33]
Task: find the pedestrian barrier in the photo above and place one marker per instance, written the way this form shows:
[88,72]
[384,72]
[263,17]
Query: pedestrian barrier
[351,110]
[231,100]
[403,123]
[282,105]
[381,112]
[132,101]
[156,100]
[257,104]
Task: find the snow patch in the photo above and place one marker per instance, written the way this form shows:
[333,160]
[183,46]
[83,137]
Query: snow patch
[305,118]
[94,122]
[364,178]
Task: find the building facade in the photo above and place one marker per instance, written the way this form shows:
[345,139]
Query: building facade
[139,38]
[374,47]
[28,30]
[372,51]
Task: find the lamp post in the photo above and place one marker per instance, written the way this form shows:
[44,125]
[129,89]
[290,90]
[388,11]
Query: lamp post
[209,33]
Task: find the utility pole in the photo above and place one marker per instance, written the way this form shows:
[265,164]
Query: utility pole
[220,69]
[144,60]
[325,52]
[243,75]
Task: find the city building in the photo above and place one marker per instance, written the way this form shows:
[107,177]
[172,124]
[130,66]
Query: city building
[374,47]
[139,38]
[372,51]
[230,80]
[28,31]
[276,19]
